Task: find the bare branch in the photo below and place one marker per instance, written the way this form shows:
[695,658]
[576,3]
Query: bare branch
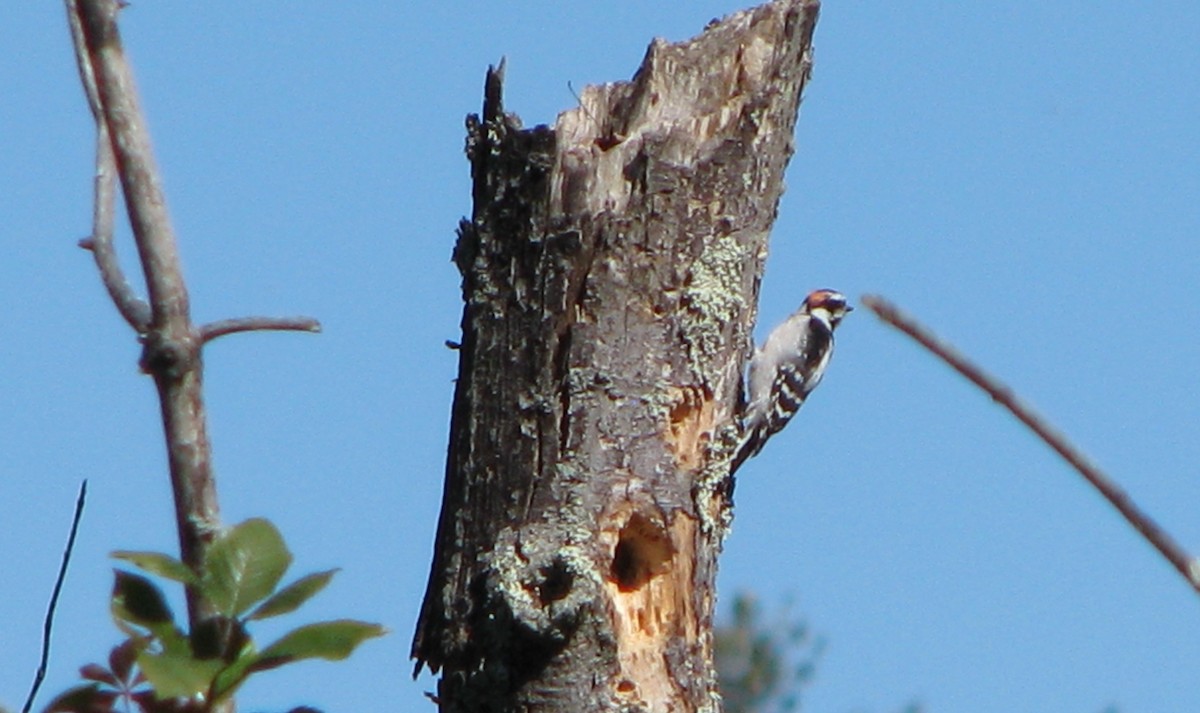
[134,309]
[171,348]
[212,330]
[171,343]
[122,114]
[48,625]
[82,61]
[1187,565]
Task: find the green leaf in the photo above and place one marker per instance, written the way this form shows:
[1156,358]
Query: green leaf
[158,563]
[331,640]
[175,673]
[244,566]
[173,643]
[291,597]
[235,674]
[137,600]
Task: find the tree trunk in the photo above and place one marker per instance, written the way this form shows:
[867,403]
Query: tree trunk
[610,274]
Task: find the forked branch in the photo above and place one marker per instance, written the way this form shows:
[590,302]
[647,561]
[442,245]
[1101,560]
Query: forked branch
[134,309]
[1187,565]
[171,342]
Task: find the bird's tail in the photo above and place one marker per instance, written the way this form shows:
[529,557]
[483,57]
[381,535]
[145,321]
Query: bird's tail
[751,443]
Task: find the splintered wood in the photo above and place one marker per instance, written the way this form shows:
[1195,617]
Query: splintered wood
[653,612]
[693,418]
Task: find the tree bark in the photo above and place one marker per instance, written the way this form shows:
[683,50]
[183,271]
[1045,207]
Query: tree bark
[610,278]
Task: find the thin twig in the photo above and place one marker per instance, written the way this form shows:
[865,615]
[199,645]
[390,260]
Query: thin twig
[82,62]
[134,309]
[48,625]
[220,328]
[1187,565]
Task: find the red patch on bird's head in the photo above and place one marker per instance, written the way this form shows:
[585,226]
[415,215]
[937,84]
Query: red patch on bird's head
[831,300]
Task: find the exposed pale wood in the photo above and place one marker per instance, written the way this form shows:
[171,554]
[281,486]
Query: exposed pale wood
[610,275]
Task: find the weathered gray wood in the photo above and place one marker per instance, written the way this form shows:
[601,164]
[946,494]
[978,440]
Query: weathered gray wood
[610,275]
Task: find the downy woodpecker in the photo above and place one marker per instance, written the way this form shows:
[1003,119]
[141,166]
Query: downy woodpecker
[786,369]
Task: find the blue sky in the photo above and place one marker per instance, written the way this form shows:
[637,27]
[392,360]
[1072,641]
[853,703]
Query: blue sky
[1025,177]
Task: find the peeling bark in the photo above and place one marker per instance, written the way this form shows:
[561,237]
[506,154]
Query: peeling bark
[610,276]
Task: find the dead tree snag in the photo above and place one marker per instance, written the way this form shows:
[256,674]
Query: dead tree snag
[610,275]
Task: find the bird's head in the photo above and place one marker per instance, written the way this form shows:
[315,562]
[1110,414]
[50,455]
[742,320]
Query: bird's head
[828,305]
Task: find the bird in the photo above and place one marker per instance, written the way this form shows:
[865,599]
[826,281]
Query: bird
[786,369]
